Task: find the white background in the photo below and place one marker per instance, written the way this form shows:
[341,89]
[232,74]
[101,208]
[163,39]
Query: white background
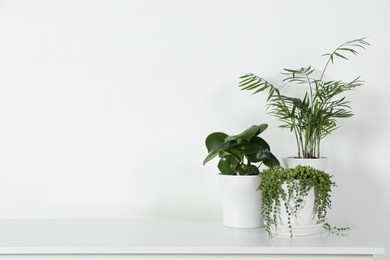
[105,105]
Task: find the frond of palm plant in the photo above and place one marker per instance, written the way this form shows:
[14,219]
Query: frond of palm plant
[314,116]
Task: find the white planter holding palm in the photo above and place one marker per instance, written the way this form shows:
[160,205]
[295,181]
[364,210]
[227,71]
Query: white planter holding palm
[313,115]
[241,202]
[320,163]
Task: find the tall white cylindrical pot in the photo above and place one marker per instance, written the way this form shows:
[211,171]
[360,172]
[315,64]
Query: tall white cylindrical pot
[320,163]
[241,202]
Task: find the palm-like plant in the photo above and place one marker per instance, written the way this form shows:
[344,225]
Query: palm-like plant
[314,116]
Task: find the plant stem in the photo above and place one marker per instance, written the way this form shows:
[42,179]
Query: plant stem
[310,87]
[327,63]
[301,141]
[318,147]
[326,66]
[297,139]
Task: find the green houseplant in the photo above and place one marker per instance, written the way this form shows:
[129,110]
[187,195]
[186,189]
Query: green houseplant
[240,157]
[240,153]
[296,201]
[314,115]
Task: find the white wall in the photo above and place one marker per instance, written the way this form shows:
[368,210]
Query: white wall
[104,105]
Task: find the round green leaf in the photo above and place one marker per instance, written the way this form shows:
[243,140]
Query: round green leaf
[259,156]
[243,169]
[228,164]
[253,170]
[262,128]
[245,148]
[215,141]
[271,160]
[248,134]
[260,142]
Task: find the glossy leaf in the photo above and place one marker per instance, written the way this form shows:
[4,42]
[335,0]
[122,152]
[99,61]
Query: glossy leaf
[248,134]
[215,141]
[245,148]
[210,156]
[228,165]
[262,128]
[259,156]
[243,169]
[271,160]
[253,170]
[260,142]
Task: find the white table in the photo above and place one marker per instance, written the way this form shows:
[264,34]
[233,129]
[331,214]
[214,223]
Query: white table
[169,239]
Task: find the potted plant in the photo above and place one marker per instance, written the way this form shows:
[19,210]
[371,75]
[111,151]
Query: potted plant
[295,201]
[314,115]
[240,157]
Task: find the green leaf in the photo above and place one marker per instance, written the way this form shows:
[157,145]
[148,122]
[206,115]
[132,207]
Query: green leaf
[341,56]
[248,134]
[349,49]
[228,164]
[271,160]
[246,76]
[243,169]
[252,82]
[215,141]
[210,156]
[252,85]
[259,156]
[229,152]
[246,81]
[291,70]
[260,142]
[245,148]
[262,128]
[253,170]
[312,115]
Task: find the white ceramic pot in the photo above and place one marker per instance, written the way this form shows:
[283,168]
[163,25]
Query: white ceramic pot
[305,215]
[320,163]
[241,202]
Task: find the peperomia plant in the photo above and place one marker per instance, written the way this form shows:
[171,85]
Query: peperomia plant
[241,154]
[313,116]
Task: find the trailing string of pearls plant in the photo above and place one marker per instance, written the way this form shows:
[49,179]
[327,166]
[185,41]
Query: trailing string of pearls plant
[299,181]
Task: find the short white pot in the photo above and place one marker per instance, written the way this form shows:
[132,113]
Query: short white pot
[241,202]
[320,163]
[305,215]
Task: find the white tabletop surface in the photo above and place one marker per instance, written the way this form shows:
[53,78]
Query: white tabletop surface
[124,236]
